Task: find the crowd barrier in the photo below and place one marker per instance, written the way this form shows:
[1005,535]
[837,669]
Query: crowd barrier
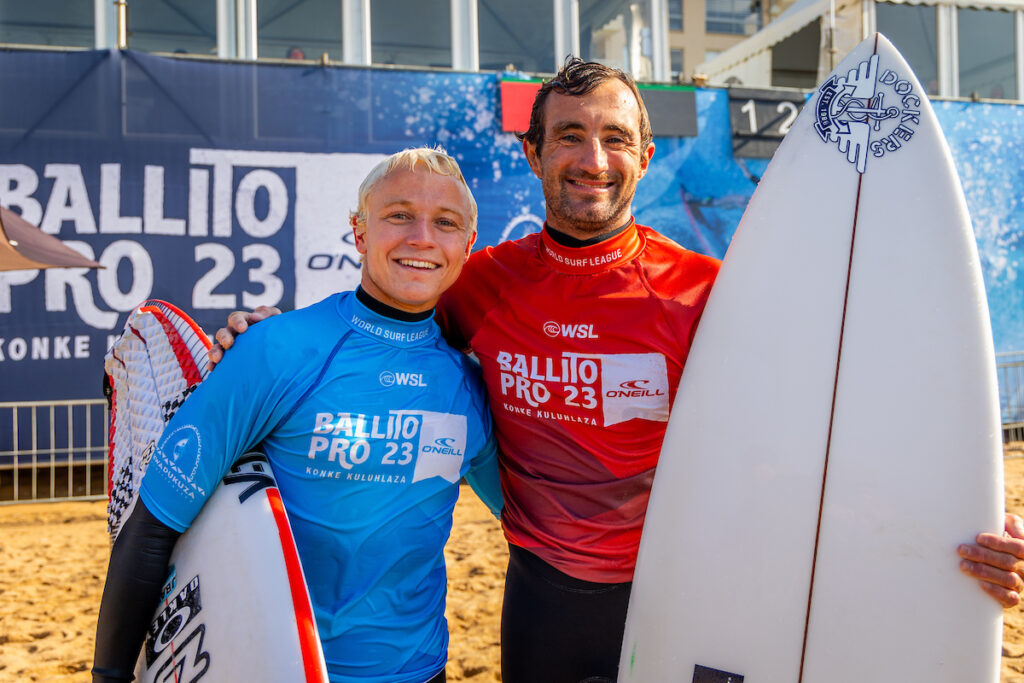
[53,450]
[1010,368]
[57,450]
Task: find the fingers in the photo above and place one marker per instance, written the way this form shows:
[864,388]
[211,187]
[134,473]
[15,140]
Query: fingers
[1006,552]
[214,356]
[991,567]
[261,313]
[995,552]
[224,338]
[1003,596]
[1005,587]
[1014,526]
[238,323]
[997,561]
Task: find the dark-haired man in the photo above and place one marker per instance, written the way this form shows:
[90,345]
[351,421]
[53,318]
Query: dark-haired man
[563,321]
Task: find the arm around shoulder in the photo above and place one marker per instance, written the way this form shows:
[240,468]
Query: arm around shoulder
[238,322]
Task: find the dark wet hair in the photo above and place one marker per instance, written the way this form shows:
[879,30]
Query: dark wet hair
[576,78]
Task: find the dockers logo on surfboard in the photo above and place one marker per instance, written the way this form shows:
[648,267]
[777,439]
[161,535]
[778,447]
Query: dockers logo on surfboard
[866,113]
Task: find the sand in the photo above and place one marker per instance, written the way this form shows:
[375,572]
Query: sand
[53,560]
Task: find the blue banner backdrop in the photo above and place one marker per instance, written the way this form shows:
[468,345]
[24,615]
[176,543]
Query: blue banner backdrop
[225,185]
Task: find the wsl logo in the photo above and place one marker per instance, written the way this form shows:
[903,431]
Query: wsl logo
[865,113]
[555,330]
[402,379]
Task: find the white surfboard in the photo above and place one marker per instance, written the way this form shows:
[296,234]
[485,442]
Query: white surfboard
[235,606]
[836,431]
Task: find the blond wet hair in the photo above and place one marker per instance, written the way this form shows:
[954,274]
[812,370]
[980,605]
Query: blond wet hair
[432,159]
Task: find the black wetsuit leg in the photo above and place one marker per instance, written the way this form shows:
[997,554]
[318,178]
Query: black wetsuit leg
[559,629]
[137,571]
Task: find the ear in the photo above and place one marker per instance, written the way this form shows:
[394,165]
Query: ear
[470,242]
[532,158]
[358,235]
[645,159]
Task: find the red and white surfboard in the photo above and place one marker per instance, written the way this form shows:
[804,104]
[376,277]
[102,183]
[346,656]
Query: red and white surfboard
[235,606]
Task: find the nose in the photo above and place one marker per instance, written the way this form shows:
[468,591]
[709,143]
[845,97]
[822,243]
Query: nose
[593,158]
[420,232]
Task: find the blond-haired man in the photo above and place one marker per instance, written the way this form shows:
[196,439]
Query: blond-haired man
[370,507]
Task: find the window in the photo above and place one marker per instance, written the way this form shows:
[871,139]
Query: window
[676,62]
[62,23]
[521,34]
[617,33]
[675,15]
[986,45]
[742,17]
[911,28]
[411,32]
[795,58]
[299,29]
[188,26]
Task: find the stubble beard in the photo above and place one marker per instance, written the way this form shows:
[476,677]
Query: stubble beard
[581,217]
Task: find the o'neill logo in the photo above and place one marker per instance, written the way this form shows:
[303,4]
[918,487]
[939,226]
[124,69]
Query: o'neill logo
[402,379]
[553,330]
[634,388]
[443,446]
[864,113]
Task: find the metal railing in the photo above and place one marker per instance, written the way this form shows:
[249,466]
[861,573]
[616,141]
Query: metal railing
[53,450]
[1010,370]
[57,450]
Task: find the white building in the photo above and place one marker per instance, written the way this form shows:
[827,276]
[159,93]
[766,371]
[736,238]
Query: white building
[657,40]
[531,35]
[957,48]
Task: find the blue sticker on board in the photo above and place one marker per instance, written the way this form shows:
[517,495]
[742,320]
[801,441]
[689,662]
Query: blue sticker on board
[866,113]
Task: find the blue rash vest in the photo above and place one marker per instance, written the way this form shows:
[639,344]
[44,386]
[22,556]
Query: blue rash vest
[369,424]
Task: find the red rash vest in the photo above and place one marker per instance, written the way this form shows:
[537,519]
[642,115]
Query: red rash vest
[581,350]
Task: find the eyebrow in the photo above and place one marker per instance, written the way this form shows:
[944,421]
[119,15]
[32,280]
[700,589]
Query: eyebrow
[564,126]
[408,202]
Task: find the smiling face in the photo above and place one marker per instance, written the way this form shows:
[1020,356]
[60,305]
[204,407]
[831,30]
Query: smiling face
[417,235]
[590,159]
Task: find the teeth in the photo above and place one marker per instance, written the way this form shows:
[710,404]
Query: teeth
[418,264]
